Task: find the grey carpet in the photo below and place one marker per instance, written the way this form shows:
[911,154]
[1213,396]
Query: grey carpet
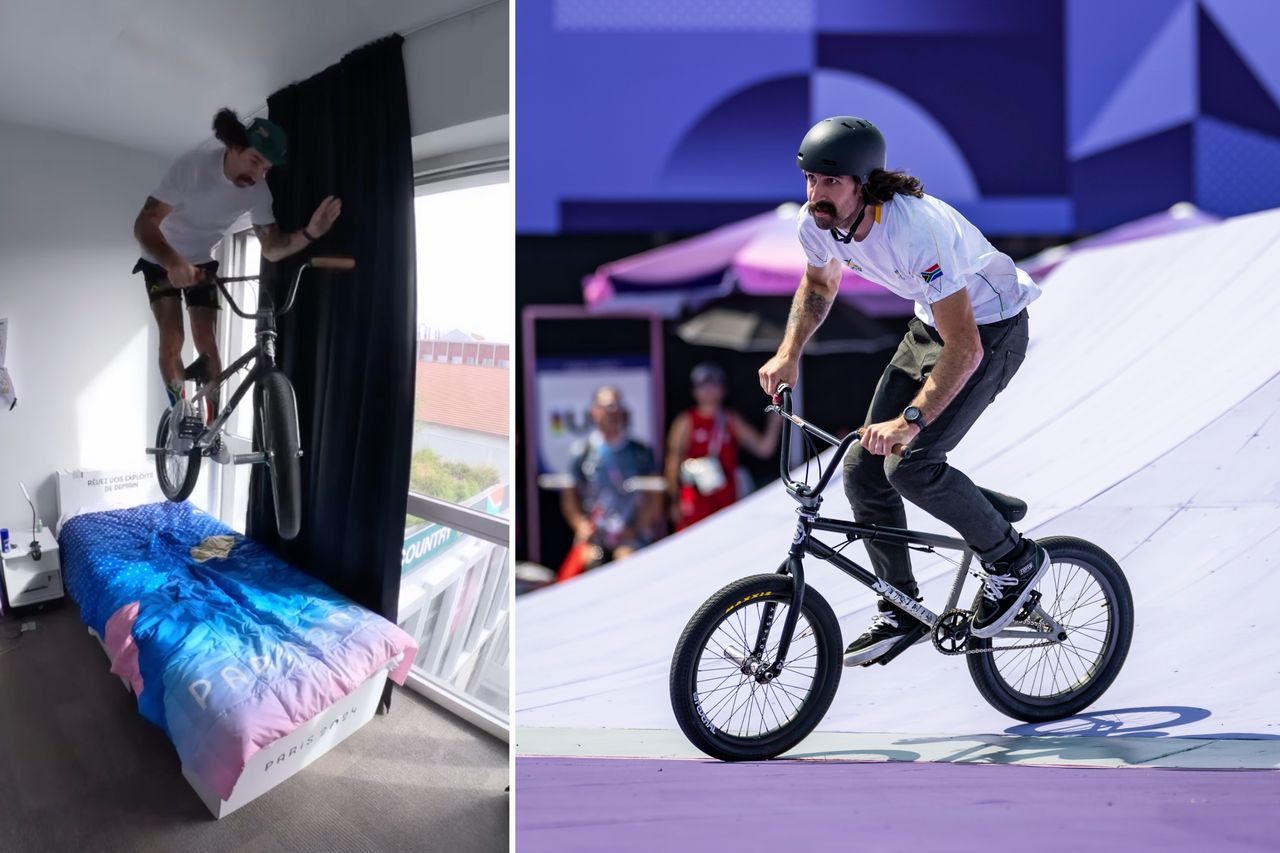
[80,770]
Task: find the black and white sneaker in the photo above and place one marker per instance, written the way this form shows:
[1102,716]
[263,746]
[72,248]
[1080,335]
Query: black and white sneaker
[886,630]
[1005,589]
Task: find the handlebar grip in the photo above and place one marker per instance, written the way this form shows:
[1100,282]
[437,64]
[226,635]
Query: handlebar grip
[784,392]
[333,263]
[898,449]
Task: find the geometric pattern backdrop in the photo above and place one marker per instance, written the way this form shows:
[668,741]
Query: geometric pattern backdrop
[1045,117]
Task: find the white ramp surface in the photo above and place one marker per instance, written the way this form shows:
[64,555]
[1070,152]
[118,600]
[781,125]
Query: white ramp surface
[1146,418]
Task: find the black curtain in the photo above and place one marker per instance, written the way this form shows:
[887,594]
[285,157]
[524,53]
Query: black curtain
[348,344]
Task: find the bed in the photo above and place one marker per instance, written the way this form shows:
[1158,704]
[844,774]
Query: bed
[252,668]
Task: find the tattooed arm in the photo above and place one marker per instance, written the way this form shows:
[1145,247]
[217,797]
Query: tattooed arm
[277,245]
[818,289]
[146,230]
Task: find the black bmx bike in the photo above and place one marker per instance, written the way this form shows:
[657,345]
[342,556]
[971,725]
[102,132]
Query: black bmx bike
[757,666]
[182,441]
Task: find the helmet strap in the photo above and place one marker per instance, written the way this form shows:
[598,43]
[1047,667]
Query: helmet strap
[848,236]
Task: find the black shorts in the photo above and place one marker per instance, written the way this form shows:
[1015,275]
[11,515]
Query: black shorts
[156,278]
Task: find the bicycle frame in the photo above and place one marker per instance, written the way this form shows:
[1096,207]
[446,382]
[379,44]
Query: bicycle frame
[263,353]
[804,543]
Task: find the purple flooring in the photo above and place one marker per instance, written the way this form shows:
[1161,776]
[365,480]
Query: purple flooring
[638,804]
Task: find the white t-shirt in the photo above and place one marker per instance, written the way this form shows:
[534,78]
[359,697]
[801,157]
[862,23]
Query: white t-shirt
[923,250]
[205,203]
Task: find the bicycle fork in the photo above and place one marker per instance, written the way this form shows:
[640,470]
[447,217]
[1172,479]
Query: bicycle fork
[793,566]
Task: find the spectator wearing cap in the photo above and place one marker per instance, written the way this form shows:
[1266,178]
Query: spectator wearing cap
[611,516]
[702,449]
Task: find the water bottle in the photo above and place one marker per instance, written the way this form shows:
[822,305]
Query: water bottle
[4,539]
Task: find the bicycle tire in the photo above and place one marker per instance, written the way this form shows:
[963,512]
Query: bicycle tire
[181,490]
[279,414]
[735,597]
[1004,697]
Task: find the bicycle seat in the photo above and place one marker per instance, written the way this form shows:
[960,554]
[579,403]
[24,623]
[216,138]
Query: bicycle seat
[1011,508]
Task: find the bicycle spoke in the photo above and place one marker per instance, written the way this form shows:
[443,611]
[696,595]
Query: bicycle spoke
[1069,592]
[735,702]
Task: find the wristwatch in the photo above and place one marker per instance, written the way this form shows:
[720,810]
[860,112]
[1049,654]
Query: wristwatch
[913,415]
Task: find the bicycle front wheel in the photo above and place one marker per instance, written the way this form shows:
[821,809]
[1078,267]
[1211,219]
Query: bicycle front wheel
[1085,592]
[279,414]
[176,471]
[722,705]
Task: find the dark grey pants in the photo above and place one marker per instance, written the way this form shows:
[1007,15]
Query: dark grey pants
[876,485]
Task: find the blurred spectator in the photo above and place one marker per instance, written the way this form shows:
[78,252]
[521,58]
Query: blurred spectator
[702,449]
[610,518]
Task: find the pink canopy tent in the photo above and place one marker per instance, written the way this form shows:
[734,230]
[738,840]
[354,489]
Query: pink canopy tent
[758,256]
[761,256]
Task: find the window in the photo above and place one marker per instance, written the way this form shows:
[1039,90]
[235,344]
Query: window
[456,566]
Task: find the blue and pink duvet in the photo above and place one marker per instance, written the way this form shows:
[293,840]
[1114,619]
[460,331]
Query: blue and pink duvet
[228,654]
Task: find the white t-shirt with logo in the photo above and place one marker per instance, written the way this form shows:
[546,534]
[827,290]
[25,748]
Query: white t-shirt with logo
[205,203]
[922,249]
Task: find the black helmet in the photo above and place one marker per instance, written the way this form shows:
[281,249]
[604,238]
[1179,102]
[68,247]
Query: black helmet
[842,145]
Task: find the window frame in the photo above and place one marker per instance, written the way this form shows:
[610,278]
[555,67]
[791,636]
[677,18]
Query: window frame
[491,528]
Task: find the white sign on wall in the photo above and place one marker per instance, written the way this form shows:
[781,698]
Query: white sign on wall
[565,387]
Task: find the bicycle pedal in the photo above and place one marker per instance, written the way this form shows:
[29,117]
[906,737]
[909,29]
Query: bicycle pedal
[908,640]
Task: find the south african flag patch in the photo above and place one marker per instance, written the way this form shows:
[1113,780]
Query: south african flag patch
[932,274]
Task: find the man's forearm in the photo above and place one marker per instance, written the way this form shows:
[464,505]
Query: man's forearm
[954,367]
[151,239]
[285,245]
[808,309]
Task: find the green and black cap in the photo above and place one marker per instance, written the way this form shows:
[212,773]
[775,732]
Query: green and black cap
[268,139]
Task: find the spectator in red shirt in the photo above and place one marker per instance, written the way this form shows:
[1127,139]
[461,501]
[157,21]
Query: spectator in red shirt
[702,449]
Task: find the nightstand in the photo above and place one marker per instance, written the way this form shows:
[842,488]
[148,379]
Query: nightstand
[27,582]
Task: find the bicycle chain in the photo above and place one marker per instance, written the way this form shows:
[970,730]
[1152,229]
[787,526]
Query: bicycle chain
[964,614]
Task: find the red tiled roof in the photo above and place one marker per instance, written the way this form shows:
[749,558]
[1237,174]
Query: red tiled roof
[465,396]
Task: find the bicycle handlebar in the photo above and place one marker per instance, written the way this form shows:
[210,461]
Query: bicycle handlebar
[842,445]
[320,263]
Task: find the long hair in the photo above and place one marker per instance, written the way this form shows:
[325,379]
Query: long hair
[881,186]
[228,129]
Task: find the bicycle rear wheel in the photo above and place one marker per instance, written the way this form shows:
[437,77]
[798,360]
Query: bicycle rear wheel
[176,471]
[1085,591]
[721,706]
[278,411]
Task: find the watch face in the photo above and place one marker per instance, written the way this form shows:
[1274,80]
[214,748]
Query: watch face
[911,415]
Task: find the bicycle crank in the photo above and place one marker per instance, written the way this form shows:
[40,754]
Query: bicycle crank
[951,633]
[951,636]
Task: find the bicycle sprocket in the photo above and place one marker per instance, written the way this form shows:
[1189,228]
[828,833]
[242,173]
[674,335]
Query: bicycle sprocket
[951,633]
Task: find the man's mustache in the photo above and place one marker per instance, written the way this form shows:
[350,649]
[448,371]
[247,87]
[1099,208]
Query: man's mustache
[824,207]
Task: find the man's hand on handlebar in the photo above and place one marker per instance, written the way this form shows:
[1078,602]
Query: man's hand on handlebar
[778,370]
[881,439]
[184,275]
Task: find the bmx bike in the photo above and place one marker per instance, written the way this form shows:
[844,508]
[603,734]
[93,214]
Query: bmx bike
[181,446]
[757,666]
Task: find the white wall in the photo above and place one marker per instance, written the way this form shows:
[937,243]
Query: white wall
[82,348]
[457,70]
